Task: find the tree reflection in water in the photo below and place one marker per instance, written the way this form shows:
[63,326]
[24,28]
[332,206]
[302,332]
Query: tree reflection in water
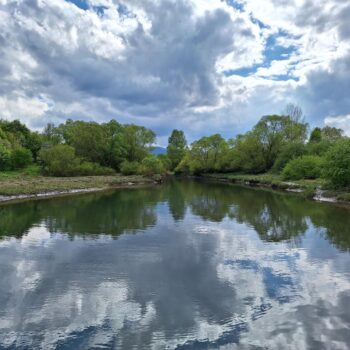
[274,216]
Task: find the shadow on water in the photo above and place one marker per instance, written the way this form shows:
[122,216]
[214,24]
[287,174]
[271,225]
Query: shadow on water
[274,216]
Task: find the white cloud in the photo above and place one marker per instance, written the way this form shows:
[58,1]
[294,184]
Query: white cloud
[19,105]
[163,63]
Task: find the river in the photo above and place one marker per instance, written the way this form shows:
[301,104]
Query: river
[184,265]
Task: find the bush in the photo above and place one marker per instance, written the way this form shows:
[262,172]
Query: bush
[92,169]
[60,160]
[151,166]
[337,167]
[5,158]
[305,167]
[288,152]
[319,148]
[130,168]
[309,192]
[21,158]
[165,161]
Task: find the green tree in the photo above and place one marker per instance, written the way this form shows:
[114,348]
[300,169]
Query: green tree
[246,154]
[52,135]
[204,155]
[273,131]
[322,139]
[21,158]
[287,153]
[331,134]
[165,161]
[16,131]
[176,149]
[59,160]
[115,152]
[5,156]
[34,143]
[87,138]
[327,133]
[305,167]
[152,165]
[130,168]
[337,169]
[316,135]
[137,142]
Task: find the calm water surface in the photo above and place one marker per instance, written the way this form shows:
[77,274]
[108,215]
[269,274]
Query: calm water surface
[186,265]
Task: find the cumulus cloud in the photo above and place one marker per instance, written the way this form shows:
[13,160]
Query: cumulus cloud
[172,63]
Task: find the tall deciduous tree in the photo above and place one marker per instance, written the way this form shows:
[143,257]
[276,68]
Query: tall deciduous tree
[176,149]
[137,142]
[204,155]
[273,131]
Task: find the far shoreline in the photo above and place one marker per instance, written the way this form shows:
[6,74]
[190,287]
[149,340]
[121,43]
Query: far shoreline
[22,189]
[311,190]
[28,188]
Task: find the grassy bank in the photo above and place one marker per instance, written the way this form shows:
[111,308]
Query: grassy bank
[30,182]
[307,188]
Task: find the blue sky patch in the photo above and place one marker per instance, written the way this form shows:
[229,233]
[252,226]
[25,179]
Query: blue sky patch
[235,4]
[82,4]
[272,52]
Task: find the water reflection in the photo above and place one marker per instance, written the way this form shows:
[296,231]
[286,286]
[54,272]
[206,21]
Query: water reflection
[181,266]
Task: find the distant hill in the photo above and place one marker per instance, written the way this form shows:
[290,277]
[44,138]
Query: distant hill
[158,150]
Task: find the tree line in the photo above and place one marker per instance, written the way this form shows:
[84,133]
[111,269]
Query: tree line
[280,144]
[79,148]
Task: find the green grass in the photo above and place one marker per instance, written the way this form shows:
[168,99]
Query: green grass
[271,180]
[275,181]
[29,181]
[268,179]
[32,170]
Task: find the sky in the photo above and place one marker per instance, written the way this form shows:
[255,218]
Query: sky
[203,66]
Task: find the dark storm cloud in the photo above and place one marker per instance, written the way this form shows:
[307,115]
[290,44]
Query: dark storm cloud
[328,90]
[161,70]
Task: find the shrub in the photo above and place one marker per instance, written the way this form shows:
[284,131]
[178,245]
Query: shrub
[309,192]
[319,148]
[59,160]
[288,152]
[130,168]
[337,169]
[151,166]
[91,169]
[165,161]
[305,167]
[21,158]
[5,158]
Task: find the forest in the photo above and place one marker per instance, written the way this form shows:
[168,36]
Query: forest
[278,144]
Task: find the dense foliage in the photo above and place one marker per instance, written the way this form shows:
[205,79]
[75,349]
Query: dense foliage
[277,143]
[337,168]
[79,148]
[305,167]
[176,149]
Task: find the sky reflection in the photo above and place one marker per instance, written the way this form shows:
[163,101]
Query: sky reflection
[195,280]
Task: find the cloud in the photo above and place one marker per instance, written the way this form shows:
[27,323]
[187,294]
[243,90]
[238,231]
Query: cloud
[170,63]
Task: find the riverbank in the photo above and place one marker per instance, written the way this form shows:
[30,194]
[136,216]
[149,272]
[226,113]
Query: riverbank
[312,189]
[24,186]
